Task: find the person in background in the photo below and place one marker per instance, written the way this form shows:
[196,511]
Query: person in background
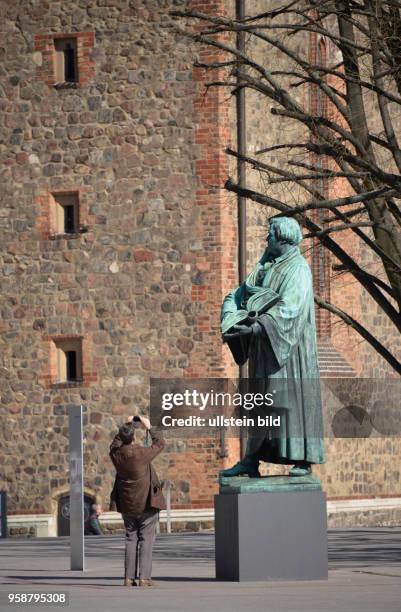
[92,525]
[138,496]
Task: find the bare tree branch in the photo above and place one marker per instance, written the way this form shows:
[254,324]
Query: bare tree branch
[346,201]
[338,228]
[316,194]
[343,143]
[234,27]
[349,214]
[344,257]
[383,103]
[374,342]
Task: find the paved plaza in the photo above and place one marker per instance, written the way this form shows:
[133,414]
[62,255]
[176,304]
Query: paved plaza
[364,576]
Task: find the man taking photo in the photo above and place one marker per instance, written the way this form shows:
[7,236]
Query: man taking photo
[138,496]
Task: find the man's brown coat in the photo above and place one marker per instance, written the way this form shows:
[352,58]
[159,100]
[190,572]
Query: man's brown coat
[137,487]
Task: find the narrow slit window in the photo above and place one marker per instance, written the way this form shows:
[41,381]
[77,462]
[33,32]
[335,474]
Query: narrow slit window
[66,60]
[69,219]
[71,365]
[67,213]
[69,360]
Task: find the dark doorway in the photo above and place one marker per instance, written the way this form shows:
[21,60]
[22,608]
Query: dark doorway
[63,513]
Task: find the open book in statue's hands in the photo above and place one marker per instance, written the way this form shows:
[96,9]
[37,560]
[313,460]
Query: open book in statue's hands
[257,304]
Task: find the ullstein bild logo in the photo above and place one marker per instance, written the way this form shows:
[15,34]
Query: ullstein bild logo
[352,408]
[220,421]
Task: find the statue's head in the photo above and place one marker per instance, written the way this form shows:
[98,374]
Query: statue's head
[284,232]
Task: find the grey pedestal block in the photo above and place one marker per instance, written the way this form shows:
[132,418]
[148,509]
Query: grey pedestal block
[278,535]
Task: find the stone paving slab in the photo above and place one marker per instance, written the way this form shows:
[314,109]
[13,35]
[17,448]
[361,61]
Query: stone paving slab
[365,576]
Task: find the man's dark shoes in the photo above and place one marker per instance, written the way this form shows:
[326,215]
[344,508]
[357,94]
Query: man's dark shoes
[146,582]
[129,582]
[246,466]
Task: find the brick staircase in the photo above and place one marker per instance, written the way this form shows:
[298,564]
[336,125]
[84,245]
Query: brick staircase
[331,363]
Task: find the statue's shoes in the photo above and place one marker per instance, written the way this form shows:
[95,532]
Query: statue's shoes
[240,469]
[300,470]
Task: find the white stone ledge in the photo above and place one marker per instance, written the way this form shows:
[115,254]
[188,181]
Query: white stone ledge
[46,524]
[333,507]
[363,505]
[197,514]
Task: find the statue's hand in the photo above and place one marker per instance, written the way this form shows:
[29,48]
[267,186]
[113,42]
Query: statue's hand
[239,331]
[244,330]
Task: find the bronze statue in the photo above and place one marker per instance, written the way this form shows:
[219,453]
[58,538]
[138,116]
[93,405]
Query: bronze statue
[269,321]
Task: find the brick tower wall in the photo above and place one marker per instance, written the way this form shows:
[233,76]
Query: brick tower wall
[141,282]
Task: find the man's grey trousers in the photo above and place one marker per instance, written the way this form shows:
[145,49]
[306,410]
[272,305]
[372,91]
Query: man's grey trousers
[140,531]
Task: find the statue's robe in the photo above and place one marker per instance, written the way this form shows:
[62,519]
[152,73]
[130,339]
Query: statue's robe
[283,357]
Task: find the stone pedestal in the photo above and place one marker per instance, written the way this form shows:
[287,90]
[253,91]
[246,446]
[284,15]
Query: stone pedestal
[271,528]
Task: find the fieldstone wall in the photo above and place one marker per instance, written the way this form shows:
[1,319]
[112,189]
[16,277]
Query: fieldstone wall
[142,281]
